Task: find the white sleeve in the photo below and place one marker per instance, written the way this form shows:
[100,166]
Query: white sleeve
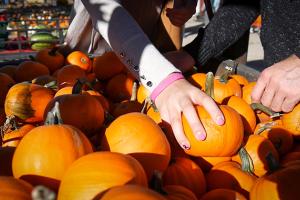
[128,40]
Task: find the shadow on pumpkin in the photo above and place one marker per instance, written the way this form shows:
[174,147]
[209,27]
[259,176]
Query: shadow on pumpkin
[35,180]
[6,156]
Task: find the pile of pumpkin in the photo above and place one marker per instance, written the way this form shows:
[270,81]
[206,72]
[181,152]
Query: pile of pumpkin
[83,128]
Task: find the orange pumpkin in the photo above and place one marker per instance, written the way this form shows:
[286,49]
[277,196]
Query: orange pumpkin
[6,156]
[46,152]
[281,138]
[291,121]
[12,188]
[10,70]
[139,136]
[131,192]
[119,88]
[107,65]
[6,83]
[27,101]
[28,70]
[94,173]
[178,192]
[198,80]
[206,163]
[13,138]
[80,110]
[79,59]
[51,58]
[242,80]
[142,94]
[282,184]
[222,140]
[225,194]
[246,112]
[229,175]
[68,75]
[247,90]
[184,172]
[259,155]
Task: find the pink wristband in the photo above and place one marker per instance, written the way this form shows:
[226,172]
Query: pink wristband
[165,83]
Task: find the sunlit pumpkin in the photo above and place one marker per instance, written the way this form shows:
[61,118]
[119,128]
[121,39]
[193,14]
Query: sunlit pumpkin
[79,59]
[94,173]
[291,121]
[242,80]
[13,138]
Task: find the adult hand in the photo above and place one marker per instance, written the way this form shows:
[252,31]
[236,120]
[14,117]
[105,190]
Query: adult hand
[182,12]
[278,86]
[180,97]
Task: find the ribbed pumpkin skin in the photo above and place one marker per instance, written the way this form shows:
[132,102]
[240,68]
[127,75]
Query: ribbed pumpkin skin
[246,112]
[291,121]
[14,189]
[222,140]
[27,101]
[282,184]
[138,135]
[12,139]
[94,173]
[178,192]
[131,192]
[240,79]
[229,175]
[6,83]
[247,92]
[52,61]
[184,172]
[80,110]
[222,194]
[224,90]
[47,151]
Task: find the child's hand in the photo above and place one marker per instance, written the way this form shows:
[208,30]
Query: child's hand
[182,12]
[180,97]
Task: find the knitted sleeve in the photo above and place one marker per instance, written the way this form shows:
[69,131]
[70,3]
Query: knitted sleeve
[229,23]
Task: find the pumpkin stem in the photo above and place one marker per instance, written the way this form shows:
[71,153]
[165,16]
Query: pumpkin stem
[266,126]
[273,164]
[209,85]
[134,92]
[77,88]
[225,76]
[10,124]
[53,116]
[51,85]
[268,111]
[247,163]
[53,51]
[156,182]
[41,192]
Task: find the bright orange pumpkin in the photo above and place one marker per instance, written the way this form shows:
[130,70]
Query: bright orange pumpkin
[94,173]
[246,112]
[282,184]
[131,192]
[138,135]
[184,172]
[51,58]
[225,194]
[198,80]
[229,175]
[6,83]
[46,152]
[247,90]
[242,80]
[291,121]
[222,140]
[260,152]
[12,188]
[142,94]
[79,59]
[27,101]
[107,65]
[28,70]
[13,138]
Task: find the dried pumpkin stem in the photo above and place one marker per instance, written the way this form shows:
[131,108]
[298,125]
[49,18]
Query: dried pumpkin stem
[225,76]
[266,126]
[53,116]
[51,85]
[247,163]
[268,111]
[209,85]
[134,92]
[42,193]
[53,51]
